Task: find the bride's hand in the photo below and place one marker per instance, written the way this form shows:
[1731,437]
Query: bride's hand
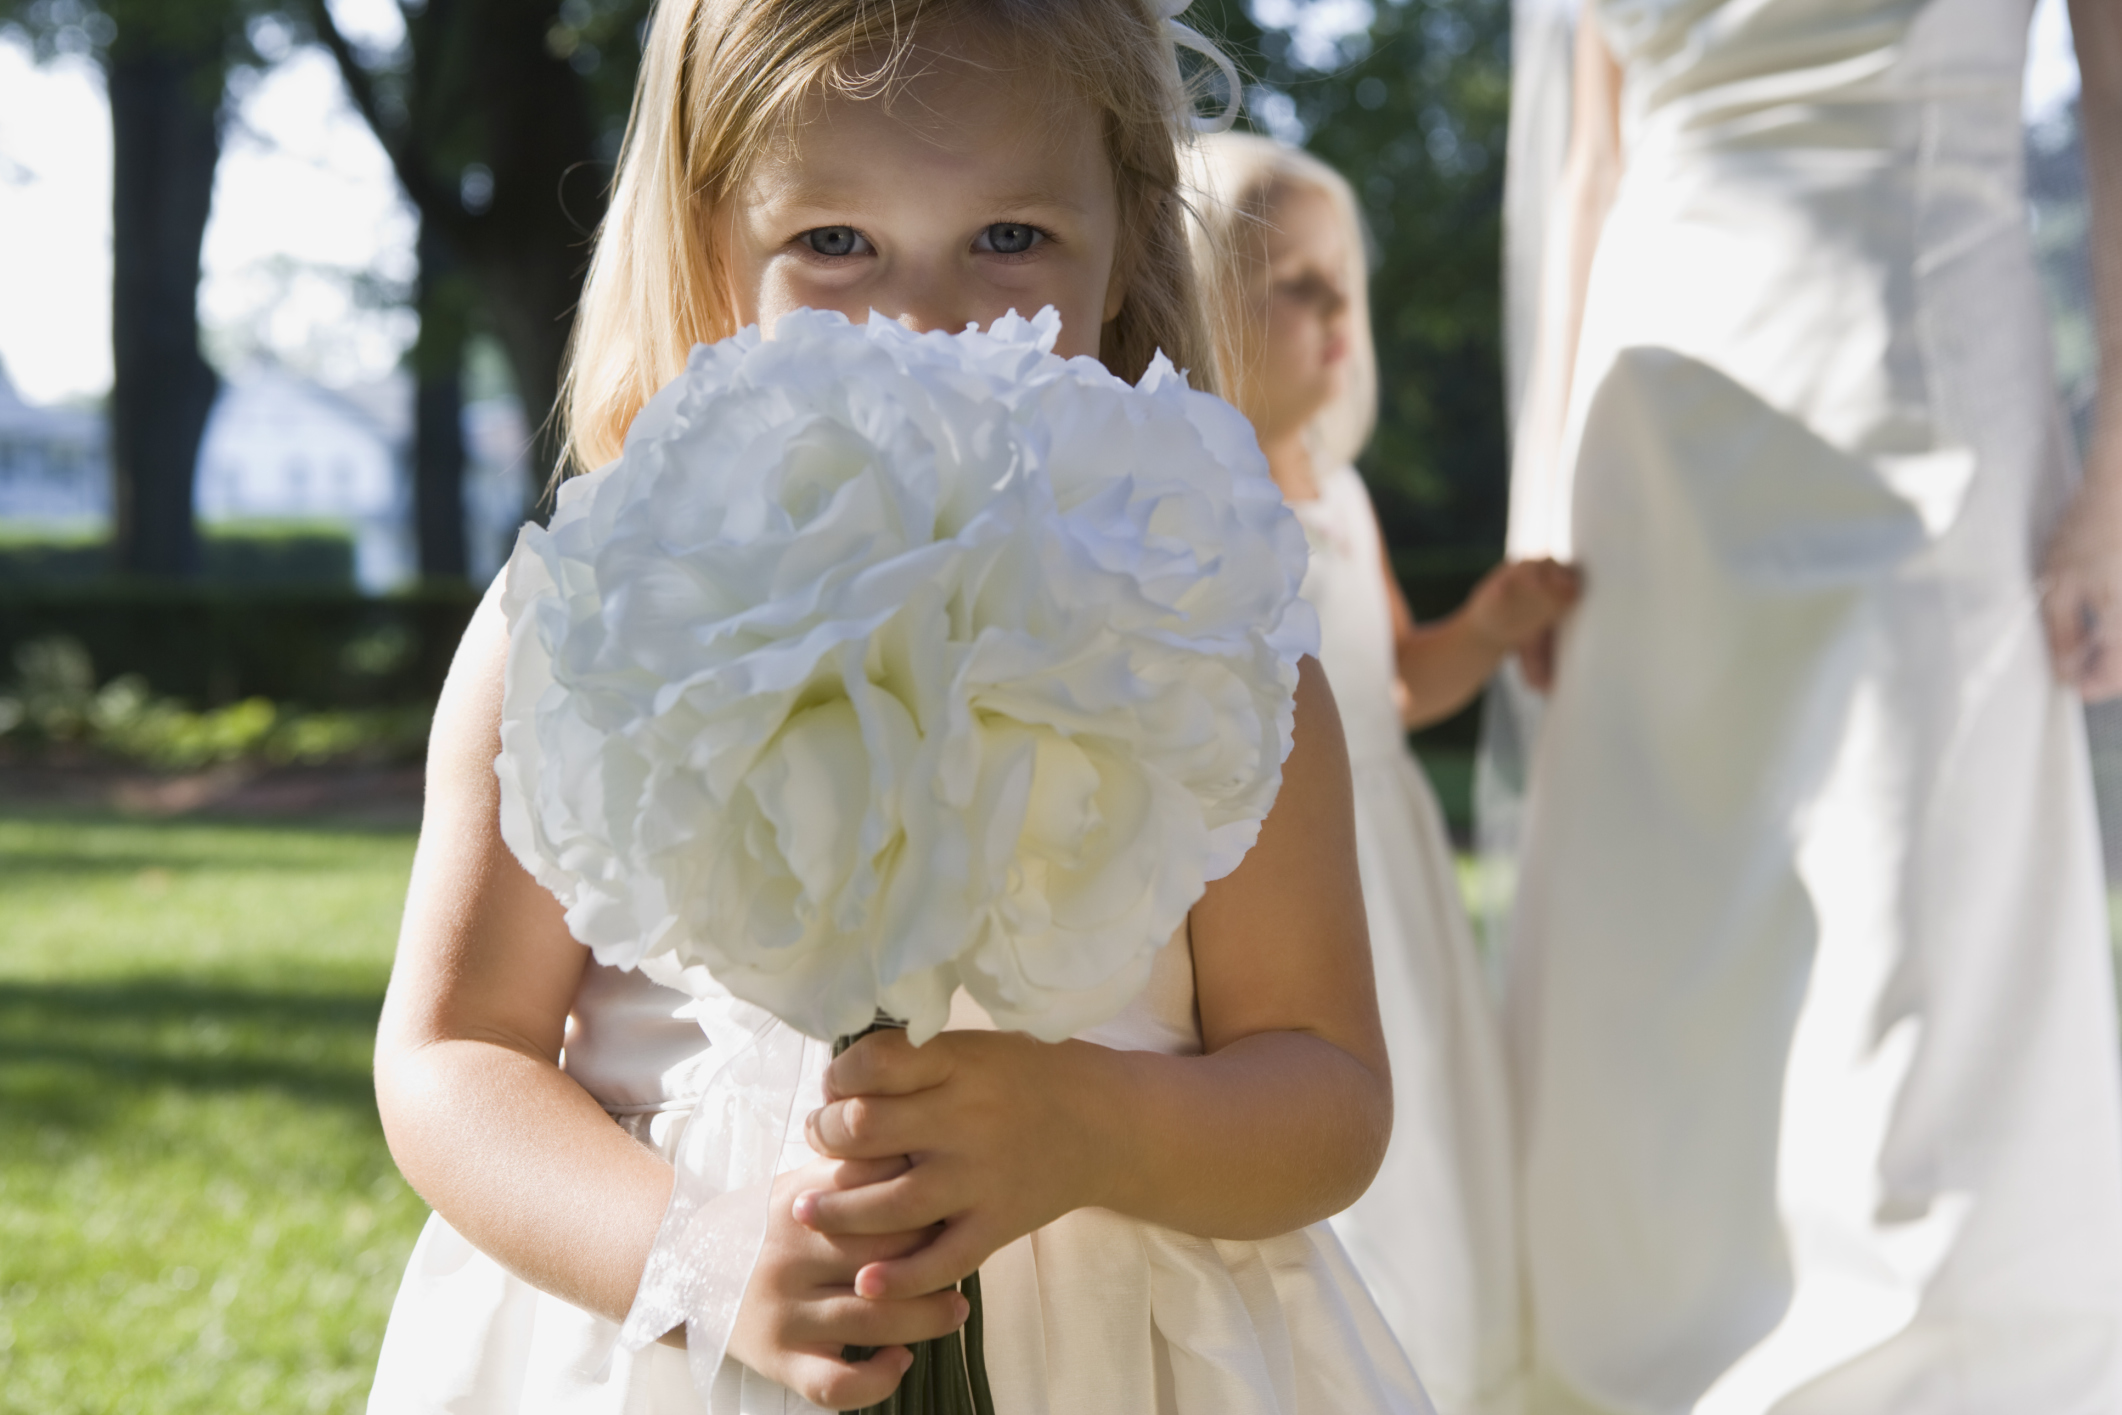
[2081,586]
[994,1126]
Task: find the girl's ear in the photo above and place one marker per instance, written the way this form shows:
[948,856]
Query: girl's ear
[1115,294]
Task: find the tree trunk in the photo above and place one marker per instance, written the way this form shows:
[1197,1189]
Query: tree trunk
[438,411]
[487,83]
[532,298]
[528,249]
[165,140]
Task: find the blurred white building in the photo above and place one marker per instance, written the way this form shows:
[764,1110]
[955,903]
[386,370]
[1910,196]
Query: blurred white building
[52,462]
[280,448]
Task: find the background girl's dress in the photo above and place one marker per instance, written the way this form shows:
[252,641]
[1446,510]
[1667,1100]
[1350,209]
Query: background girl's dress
[1093,1313]
[1433,1237]
[1813,1011]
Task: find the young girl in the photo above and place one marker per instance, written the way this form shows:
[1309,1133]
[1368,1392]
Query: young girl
[1282,246]
[1144,1203]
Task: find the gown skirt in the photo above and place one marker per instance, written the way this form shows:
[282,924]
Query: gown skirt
[1434,1237]
[1812,1021]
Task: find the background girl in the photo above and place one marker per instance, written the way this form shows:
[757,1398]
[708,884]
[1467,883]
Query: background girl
[1144,1203]
[1282,247]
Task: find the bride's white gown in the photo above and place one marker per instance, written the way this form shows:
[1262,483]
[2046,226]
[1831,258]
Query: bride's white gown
[1813,1014]
[1433,1237]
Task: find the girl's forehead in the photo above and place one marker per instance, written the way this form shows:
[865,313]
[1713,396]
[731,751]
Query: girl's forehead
[1297,217]
[944,114]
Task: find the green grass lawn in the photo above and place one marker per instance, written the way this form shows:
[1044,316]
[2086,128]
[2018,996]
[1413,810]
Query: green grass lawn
[197,1212]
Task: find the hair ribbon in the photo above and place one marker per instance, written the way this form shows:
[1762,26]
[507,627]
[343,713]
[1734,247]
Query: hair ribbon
[1185,36]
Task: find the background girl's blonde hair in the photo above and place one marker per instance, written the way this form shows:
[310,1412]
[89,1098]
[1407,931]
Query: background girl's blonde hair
[719,81]
[1240,178]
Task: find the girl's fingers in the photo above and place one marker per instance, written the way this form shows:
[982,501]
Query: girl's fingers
[869,1127]
[2063,616]
[907,1204]
[886,1064]
[853,1174]
[831,1259]
[1537,661]
[825,1379]
[849,1320]
[958,1250]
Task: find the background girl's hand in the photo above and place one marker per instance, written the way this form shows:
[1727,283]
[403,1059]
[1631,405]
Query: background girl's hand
[800,1309]
[1516,603]
[1536,661]
[993,1124]
[2081,588]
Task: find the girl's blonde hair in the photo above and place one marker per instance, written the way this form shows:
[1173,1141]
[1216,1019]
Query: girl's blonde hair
[720,80]
[1240,179]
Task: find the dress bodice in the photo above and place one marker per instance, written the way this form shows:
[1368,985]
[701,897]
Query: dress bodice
[1811,73]
[1345,584]
[1820,227]
[638,1046]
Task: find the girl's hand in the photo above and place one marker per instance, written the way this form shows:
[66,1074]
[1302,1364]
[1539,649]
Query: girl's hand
[1536,661]
[801,1309]
[1517,603]
[2081,585]
[995,1126]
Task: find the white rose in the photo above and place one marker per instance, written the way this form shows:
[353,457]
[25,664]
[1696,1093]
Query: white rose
[881,664]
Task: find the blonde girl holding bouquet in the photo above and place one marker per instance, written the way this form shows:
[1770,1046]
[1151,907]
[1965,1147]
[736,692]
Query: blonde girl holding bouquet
[1146,1201]
[1282,247]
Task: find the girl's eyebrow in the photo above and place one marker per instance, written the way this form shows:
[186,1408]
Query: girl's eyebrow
[795,193]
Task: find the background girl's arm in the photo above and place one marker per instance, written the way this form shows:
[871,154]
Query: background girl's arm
[1282,1121]
[1440,665]
[2083,605]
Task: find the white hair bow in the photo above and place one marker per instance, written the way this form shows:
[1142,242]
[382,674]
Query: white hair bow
[1186,36]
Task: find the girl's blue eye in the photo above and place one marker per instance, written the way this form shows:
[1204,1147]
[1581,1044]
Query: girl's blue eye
[1009,238]
[835,241]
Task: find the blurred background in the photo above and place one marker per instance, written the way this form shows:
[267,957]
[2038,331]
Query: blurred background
[283,297]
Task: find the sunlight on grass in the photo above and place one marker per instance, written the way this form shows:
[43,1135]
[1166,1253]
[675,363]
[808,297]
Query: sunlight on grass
[197,1212]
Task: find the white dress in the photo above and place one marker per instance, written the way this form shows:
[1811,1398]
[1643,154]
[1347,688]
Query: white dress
[1094,1314]
[1813,1015]
[1433,1237]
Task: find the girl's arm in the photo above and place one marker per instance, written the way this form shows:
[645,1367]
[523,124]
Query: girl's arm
[2083,604]
[521,1160]
[481,1120]
[1442,664]
[1282,1121]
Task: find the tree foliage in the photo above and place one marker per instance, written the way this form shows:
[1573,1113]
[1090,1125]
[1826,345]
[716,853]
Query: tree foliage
[1413,111]
[165,66]
[501,119]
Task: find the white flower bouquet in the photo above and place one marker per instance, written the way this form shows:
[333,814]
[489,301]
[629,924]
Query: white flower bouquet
[883,664]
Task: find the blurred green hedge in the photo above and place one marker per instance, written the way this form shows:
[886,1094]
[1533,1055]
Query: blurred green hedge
[280,555]
[214,645]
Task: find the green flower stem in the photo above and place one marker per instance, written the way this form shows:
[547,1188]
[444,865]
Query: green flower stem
[949,1374]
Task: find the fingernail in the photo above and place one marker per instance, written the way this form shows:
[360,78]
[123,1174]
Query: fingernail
[806,1207]
[869,1283]
[962,1306]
